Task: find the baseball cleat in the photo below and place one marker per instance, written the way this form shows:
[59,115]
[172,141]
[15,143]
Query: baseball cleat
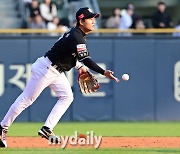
[3,133]
[45,132]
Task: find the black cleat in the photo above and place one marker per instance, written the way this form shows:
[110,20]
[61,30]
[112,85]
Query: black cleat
[45,132]
[3,132]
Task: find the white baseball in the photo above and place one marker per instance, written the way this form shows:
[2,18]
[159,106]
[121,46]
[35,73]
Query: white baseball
[125,77]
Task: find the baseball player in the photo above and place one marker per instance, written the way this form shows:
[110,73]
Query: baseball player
[69,51]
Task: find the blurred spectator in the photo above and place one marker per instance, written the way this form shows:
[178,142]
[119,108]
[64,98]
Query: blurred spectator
[37,23]
[177,28]
[27,3]
[126,18]
[33,10]
[139,24]
[73,6]
[114,21]
[62,27]
[161,19]
[54,25]
[74,23]
[65,21]
[48,10]
[134,15]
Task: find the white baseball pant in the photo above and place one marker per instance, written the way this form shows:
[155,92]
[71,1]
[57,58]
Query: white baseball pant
[43,75]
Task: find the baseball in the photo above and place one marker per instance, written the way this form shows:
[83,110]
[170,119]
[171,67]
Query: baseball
[125,77]
[82,136]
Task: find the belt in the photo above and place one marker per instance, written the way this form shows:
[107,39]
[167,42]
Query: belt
[58,68]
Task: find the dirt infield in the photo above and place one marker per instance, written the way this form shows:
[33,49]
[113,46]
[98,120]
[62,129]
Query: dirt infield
[107,142]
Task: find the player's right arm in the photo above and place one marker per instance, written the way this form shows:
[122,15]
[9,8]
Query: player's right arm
[83,56]
[93,66]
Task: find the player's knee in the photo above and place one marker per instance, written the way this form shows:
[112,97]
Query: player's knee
[29,101]
[70,97]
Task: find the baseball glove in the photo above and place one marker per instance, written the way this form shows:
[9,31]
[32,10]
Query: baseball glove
[88,83]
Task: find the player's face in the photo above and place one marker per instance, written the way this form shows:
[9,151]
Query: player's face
[88,24]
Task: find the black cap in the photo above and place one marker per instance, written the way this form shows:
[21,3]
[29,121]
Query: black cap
[85,13]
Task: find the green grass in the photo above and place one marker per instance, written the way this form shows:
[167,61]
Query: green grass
[89,151]
[102,128]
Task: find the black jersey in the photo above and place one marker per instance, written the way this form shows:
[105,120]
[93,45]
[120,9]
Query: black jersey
[68,49]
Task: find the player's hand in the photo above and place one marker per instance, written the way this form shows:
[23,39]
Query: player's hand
[161,24]
[82,70]
[109,74]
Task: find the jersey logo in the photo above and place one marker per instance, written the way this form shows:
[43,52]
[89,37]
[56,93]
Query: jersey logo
[81,47]
[82,51]
[90,10]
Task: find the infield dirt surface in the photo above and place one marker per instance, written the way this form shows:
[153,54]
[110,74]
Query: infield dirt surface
[107,142]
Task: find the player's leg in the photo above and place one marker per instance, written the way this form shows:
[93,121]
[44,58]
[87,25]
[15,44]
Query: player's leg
[62,89]
[27,97]
[34,87]
[41,77]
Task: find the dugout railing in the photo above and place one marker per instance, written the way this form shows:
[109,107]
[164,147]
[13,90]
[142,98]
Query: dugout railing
[110,31]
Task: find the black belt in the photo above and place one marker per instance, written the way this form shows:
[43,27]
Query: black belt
[58,68]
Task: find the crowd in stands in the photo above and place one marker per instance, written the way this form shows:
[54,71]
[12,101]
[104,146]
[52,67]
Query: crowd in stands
[127,18]
[44,14]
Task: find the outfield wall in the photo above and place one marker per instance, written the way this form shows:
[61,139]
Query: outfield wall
[152,93]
